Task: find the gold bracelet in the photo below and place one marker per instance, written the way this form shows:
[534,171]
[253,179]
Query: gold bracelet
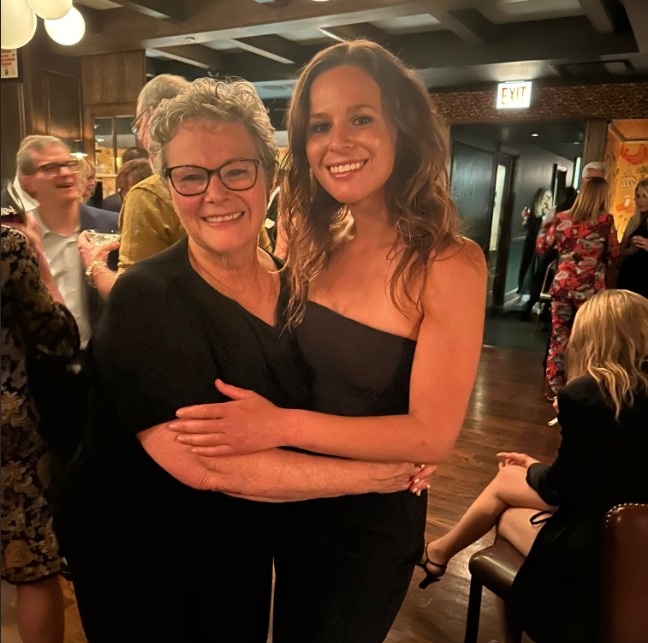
[90,268]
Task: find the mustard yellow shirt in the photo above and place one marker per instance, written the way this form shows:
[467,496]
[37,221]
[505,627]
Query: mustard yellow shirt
[148,222]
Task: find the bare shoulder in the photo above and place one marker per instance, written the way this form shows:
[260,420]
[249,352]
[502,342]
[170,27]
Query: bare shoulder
[463,257]
[457,273]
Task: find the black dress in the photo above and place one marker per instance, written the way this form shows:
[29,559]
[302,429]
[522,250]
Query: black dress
[343,565]
[633,274]
[600,463]
[152,559]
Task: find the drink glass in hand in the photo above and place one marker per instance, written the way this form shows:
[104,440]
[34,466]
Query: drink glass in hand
[98,238]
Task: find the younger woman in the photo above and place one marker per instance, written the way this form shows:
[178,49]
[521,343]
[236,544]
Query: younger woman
[554,513]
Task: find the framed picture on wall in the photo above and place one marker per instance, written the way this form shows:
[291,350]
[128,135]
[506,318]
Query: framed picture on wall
[10,64]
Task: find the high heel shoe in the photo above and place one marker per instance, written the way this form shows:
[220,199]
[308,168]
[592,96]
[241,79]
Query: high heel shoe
[429,576]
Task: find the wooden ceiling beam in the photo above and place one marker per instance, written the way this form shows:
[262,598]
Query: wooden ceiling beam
[129,28]
[159,9]
[597,15]
[275,48]
[638,16]
[196,55]
[358,30]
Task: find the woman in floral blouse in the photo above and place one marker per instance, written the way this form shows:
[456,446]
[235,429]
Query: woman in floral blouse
[33,318]
[587,243]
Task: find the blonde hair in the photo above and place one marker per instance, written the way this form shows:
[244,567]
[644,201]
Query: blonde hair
[634,222]
[417,192]
[234,101]
[87,171]
[591,202]
[609,342]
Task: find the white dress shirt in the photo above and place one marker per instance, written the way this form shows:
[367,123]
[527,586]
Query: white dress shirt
[64,262]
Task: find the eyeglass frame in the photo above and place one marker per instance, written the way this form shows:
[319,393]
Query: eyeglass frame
[216,171]
[135,130]
[73,165]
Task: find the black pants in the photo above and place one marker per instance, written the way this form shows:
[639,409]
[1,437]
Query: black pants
[166,592]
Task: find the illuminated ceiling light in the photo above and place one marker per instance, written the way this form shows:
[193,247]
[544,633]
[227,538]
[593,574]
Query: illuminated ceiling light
[67,30]
[535,134]
[18,24]
[50,9]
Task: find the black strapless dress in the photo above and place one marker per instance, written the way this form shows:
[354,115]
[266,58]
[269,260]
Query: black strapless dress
[343,565]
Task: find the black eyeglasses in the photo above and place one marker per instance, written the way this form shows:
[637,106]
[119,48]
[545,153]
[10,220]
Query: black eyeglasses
[134,127]
[192,180]
[52,169]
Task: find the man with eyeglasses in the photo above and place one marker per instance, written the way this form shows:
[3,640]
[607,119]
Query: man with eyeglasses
[48,174]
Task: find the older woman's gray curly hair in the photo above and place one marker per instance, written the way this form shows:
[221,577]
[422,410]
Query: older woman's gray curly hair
[230,101]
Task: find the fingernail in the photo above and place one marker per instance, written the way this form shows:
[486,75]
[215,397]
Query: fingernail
[418,493]
[181,438]
[417,480]
[173,426]
[428,486]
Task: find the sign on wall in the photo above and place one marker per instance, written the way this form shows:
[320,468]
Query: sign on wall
[514,95]
[9,63]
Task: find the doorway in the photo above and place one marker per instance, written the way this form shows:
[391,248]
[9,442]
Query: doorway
[500,237]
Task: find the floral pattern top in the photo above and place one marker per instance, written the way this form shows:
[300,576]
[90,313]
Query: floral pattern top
[30,318]
[585,250]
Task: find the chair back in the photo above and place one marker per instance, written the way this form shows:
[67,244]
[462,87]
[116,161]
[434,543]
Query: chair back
[624,579]
[546,282]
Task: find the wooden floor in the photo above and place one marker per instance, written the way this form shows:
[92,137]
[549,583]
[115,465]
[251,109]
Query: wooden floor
[507,412]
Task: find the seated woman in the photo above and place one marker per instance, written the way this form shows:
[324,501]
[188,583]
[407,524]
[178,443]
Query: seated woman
[553,514]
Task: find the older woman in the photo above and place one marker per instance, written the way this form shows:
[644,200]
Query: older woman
[175,563]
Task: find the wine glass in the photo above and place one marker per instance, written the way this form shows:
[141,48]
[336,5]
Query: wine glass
[98,238]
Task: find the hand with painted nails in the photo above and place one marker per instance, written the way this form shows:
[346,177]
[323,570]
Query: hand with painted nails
[420,481]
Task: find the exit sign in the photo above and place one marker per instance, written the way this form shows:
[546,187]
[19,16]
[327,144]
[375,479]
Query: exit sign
[516,95]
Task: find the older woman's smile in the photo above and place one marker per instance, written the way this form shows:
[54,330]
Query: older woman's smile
[222,218]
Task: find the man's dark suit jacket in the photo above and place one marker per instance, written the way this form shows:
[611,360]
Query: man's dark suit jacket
[104,221]
[112,203]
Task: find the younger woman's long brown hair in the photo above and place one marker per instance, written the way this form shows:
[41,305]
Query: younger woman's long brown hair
[417,193]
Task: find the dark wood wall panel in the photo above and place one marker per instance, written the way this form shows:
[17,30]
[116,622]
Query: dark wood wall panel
[45,99]
[63,102]
[12,109]
[113,78]
[577,102]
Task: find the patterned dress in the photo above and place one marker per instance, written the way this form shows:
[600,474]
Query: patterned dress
[585,250]
[29,318]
